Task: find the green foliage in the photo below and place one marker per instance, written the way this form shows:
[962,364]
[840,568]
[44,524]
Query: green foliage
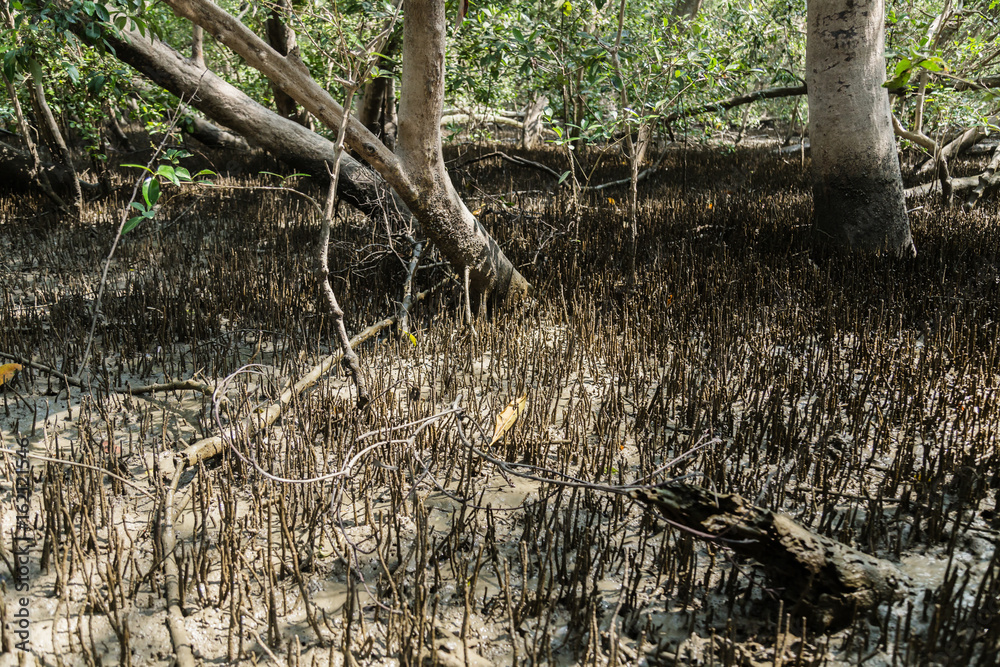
[508,50]
[504,53]
[171,172]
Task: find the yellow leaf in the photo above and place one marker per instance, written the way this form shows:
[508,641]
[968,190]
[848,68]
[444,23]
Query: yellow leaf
[611,200]
[506,419]
[413,339]
[7,371]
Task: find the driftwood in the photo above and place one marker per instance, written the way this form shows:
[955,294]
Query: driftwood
[828,581]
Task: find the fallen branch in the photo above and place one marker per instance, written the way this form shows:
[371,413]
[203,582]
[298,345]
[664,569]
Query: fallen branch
[826,579]
[171,581]
[524,162]
[457,118]
[210,447]
[72,380]
[403,314]
[987,179]
[641,176]
[957,185]
[962,142]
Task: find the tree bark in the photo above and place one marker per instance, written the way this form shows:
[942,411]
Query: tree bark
[212,135]
[531,131]
[827,580]
[226,105]
[54,138]
[377,107]
[417,173]
[857,186]
[282,39]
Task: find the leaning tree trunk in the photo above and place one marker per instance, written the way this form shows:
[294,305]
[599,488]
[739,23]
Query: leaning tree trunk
[857,186]
[416,174]
[54,138]
[686,9]
[225,104]
[441,211]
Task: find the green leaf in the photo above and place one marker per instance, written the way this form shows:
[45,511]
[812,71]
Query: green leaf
[169,173]
[73,73]
[562,178]
[131,224]
[139,206]
[899,81]
[151,191]
[932,64]
[138,166]
[182,174]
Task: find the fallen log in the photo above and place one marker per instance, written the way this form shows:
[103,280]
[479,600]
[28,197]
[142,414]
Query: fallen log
[827,581]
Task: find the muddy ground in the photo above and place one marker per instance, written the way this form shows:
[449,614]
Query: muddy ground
[855,395]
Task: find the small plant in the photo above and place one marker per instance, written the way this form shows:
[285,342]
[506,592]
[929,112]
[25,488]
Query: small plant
[172,172]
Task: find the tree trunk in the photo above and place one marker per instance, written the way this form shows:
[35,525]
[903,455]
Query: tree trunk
[531,131]
[282,39]
[226,105]
[377,107]
[828,581]
[417,174]
[197,46]
[442,213]
[20,172]
[687,9]
[857,187]
[54,138]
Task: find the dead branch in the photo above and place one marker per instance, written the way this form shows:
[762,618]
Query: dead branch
[641,176]
[962,142]
[403,314]
[207,448]
[73,380]
[524,162]
[827,580]
[171,584]
[987,179]
[725,105]
[957,185]
[329,298]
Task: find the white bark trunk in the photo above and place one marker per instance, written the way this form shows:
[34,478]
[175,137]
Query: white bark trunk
[857,187]
[443,214]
